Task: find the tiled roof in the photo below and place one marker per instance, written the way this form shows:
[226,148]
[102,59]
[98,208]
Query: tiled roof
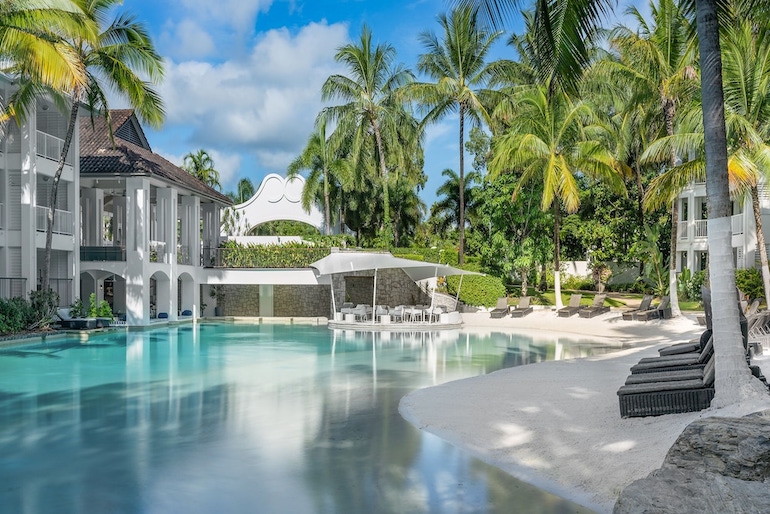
[99,156]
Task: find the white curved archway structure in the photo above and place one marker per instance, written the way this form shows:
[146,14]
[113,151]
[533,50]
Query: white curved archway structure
[279,198]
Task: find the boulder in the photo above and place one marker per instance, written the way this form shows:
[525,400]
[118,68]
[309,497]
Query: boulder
[717,465]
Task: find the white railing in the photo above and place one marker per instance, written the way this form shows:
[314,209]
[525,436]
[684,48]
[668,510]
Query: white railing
[157,251]
[182,255]
[62,221]
[737,222]
[50,147]
[682,227]
[701,228]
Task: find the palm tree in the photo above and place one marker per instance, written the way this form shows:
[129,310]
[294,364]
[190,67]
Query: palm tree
[457,63]
[321,157]
[245,190]
[549,142]
[123,57]
[200,165]
[33,42]
[657,61]
[371,108]
[447,208]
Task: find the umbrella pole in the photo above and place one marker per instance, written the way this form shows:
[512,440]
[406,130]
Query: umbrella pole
[334,304]
[433,295]
[374,297]
[459,286]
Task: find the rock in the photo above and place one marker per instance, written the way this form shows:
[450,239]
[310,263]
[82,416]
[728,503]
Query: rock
[733,447]
[675,491]
[717,465]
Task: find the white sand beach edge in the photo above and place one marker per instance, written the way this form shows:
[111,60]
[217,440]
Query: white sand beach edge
[557,424]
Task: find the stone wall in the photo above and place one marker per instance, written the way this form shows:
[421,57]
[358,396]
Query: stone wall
[302,301]
[288,300]
[394,287]
[236,300]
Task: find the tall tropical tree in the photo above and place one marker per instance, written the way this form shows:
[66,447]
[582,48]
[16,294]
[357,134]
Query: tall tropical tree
[201,165]
[321,157]
[446,210]
[457,63]
[244,190]
[372,108]
[549,141]
[120,56]
[656,60]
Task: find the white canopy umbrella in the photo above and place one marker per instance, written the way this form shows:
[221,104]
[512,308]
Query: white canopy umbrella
[342,262]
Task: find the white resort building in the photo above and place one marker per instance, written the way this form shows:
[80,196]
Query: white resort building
[144,235]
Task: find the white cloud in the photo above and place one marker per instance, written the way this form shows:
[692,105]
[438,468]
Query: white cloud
[263,103]
[239,14]
[189,39]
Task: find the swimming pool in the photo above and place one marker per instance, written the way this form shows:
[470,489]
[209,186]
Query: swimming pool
[237,418]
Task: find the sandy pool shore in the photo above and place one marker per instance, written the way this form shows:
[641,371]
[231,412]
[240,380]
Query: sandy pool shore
[557,424]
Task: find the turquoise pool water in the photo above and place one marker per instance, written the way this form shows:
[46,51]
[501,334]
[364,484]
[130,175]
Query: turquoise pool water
[221,418]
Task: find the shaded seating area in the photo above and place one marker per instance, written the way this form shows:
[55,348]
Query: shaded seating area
[572,307]
[660,311]
[522,308]
[643,306]
[501,308]
[596,308]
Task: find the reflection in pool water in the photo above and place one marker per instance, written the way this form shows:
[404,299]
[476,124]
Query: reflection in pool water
[249,418]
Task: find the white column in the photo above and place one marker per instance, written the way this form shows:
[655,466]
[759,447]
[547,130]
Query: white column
[137,254]
[29,201]
[166,199]
[92,205]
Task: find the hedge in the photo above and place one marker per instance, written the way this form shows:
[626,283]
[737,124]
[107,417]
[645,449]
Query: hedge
[477,290]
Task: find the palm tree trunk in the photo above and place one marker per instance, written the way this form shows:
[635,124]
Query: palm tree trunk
[733,379]
[387,229]
[761,242]
[669,110]
[327,206]
[45,278]
[556,251]
[461,181]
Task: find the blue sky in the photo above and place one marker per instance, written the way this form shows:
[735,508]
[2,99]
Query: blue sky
[243,77]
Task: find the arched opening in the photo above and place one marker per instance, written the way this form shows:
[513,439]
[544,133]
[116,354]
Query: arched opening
[186,295]
[160,296]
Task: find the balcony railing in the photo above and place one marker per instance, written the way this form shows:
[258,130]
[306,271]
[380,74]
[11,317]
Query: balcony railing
[102,253]
[737,222]
[682,227]
[183,255]
[63,287]
[701,228]
[50,147]
[62,221]
[11,287]
[157,251]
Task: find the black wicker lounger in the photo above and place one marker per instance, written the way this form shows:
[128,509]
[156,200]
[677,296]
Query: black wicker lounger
[645,305]
[572,308]
[667,397]
[596,308]
[501,309]
[523,308]
[661,311]
[675,362]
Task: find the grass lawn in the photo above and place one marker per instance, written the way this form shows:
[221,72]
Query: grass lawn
[615,300]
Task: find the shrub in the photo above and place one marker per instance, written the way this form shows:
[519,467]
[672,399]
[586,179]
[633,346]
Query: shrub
[578,283]
[477,290]
[16,314]
[750,282]
[689,284]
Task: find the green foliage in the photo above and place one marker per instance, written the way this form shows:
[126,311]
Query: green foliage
[655,267]
[15,315]
[77,309]
[576,283]
[337,240]
[444,255]
[689,285]
[750,282]
[92,306]
[104,310]
[43,304]
[285,228]
[477,290]
[289,255]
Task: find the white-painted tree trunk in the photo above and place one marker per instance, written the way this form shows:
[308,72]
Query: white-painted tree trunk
[557,288]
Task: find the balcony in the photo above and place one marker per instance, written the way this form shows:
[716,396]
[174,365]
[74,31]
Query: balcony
[62,221]
[701,229]
[50,147]
[102,254]
[183,255]
[157,251]
[11,287]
